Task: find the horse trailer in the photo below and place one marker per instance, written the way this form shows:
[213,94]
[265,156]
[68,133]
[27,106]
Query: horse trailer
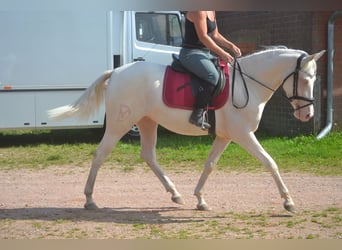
[49,58]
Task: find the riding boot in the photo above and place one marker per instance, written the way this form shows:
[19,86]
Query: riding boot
[202,99]
[198,118]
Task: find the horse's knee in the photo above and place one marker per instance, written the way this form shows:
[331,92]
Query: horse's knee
[271,165]
[209,167]
[272,168]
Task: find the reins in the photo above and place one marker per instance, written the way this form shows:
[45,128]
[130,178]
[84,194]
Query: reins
[236,63]
[237,66]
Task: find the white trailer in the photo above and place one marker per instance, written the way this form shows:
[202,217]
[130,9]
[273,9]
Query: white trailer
[47,59]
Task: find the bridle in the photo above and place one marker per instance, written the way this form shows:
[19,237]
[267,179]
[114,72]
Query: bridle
[295,75]
[295,95]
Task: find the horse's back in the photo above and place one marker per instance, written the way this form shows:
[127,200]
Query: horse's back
[145,71]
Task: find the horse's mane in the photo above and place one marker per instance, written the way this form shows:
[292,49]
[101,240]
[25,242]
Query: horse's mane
[275,48]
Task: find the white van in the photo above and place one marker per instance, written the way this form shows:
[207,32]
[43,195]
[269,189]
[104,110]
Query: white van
[47,59]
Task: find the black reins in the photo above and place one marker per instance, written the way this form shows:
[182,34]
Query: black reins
[295,74]
[237,66]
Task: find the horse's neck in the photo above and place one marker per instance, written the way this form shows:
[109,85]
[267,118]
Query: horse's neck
[269,68]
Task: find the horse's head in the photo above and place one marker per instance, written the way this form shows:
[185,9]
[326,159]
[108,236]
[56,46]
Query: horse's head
[299,84]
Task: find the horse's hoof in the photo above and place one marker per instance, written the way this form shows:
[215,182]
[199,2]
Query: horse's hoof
[290,208]
[178,199]
[90,206]
[203,207]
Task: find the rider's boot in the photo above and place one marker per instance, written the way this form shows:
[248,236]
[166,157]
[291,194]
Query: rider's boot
[202,99]
[198,118]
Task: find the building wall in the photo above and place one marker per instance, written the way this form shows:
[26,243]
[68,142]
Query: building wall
[319,41]
[299,30]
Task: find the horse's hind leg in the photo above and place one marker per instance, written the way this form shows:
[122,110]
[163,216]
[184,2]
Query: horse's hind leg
[148,138]
[217,149]
[108,141]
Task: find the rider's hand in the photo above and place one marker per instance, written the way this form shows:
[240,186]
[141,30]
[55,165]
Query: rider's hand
[227,58]
[236,51]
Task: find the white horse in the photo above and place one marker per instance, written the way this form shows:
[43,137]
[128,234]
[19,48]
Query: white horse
[133,95]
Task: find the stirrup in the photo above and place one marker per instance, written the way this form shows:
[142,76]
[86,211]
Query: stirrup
[198,118]
[205,125]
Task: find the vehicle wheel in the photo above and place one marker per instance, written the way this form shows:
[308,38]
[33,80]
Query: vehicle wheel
[133,133]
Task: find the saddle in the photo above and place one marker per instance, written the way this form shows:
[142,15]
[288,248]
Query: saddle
[180,86]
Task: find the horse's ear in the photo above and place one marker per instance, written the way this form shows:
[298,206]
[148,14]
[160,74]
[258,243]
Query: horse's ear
[315,57]
[318,55]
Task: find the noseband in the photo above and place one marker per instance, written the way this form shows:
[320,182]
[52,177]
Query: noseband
[295,95]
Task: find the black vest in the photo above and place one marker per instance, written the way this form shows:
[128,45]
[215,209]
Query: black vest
[191,39]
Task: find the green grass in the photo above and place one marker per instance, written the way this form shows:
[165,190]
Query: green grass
[41,149]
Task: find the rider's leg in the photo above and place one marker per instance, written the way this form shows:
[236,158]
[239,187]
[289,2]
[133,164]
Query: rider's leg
[202,99]
[199,63]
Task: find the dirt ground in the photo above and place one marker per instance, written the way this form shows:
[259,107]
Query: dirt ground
[49,203]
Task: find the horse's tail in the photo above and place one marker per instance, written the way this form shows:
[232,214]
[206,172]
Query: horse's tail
[87,104]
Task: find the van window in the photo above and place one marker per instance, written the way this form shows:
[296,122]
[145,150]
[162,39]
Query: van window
[159,28]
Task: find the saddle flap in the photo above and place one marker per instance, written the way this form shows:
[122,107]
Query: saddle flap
[177,93]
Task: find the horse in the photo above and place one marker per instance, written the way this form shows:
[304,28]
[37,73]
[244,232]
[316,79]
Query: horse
[133,96]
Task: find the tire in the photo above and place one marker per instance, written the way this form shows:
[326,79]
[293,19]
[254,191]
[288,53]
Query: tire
[133,133]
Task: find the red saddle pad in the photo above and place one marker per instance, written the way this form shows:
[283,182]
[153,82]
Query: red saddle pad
[176,95]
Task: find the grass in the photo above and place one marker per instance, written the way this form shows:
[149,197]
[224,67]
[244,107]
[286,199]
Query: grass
[41,149]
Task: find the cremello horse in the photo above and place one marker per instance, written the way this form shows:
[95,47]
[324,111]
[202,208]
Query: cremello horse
[133,95]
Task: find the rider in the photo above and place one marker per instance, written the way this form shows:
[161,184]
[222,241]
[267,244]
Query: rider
[201,38]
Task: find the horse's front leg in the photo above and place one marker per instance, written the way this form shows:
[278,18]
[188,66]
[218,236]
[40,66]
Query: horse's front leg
[252,145]
[148,140]
[217,149]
